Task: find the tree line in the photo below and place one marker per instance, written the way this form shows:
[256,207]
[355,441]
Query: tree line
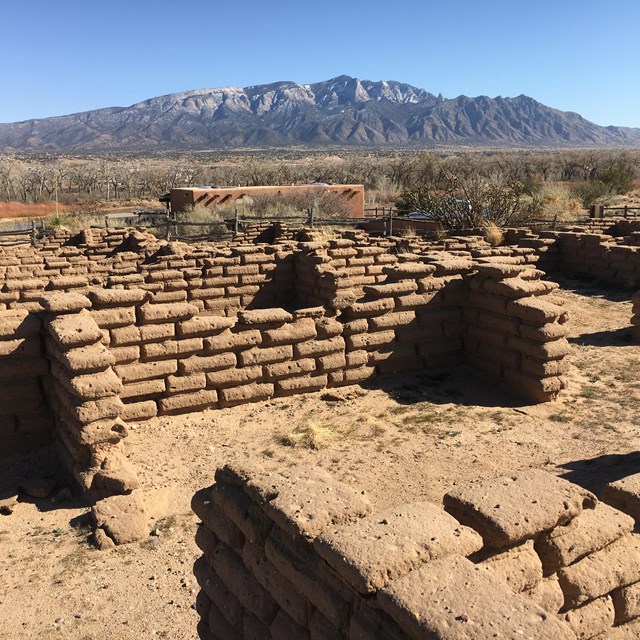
[590,174]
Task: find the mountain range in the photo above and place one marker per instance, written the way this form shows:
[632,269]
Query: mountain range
[343,111]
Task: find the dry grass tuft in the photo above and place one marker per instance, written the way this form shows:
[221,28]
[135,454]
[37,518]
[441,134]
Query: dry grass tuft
[493,234]
[308,436]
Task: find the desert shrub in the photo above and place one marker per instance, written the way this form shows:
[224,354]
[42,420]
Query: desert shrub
[557,202]
[58,221]
[493,234]
[589,191]
[458,202]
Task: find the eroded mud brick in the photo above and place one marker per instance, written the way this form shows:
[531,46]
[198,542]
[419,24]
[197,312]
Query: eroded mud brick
[328,327]
[519,566]
[494,268]
[507,510]
[219,627]
[287,369]
[113,317]
[390,289]
[253,629]
[202,605]
[624,495]
[268,355]
[306,504]
[626,602]
[284,628]
[369,623]
[64,302]
[278,587]
[203,326]
[114,475]
[18,324]
[370,552]
[171,348]
[264,316]
[162,313]
[319,347]
[543,333]
[592,618]
[245,393]
[117,297]
[451,598]
[180,384]
[590,531]
[91,410]
[332,362]
[242,511]
[232,571]
[232,340]
[146,371]
[155,332]
[300,384]
[537,310]
[366,309]
[233,377]
[303,568]
[299,331]
[134,411]
[75,331]
[617,565]
[547,594]
[215,520]
[409,271]
[122,518]
[188,402]
[370,340]
[321,629]
[392,320]
[90,358]
[92,386]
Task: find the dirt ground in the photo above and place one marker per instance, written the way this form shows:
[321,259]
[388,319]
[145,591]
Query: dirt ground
[412,439]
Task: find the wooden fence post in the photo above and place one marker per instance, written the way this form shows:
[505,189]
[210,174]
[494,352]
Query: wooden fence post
[167,234]
[236,222]
[33,232]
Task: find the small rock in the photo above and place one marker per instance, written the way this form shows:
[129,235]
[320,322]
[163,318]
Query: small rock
[156,532]
[8,505]
[102,540]
[38,487]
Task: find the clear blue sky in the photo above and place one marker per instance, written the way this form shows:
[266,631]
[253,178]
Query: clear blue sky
[64,56]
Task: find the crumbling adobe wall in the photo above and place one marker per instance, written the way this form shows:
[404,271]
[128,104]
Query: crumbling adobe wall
[186,328]
[298,554]
[25,419]
[635,318]
[613,259]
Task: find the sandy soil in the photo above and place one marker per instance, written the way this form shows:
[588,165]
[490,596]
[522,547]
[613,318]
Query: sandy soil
[404,441]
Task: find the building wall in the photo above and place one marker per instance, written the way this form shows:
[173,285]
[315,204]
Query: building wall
[352,194]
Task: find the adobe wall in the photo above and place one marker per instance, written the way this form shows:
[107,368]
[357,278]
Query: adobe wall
[607,252]
[25,418]
[352,195]
[298,554]
[169,328]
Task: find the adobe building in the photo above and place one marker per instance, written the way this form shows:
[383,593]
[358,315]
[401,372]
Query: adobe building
[352,194]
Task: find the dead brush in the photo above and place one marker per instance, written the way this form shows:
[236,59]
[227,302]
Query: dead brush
[310,435]
[493,234]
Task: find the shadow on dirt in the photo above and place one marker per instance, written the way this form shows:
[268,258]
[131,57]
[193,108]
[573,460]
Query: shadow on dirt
[459,384]
[591,288]
[618,338]
[595,473]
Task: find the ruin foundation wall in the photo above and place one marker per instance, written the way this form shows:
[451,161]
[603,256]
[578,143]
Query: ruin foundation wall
[299,554]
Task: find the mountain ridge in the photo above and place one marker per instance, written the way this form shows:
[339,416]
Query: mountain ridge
[343,111]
